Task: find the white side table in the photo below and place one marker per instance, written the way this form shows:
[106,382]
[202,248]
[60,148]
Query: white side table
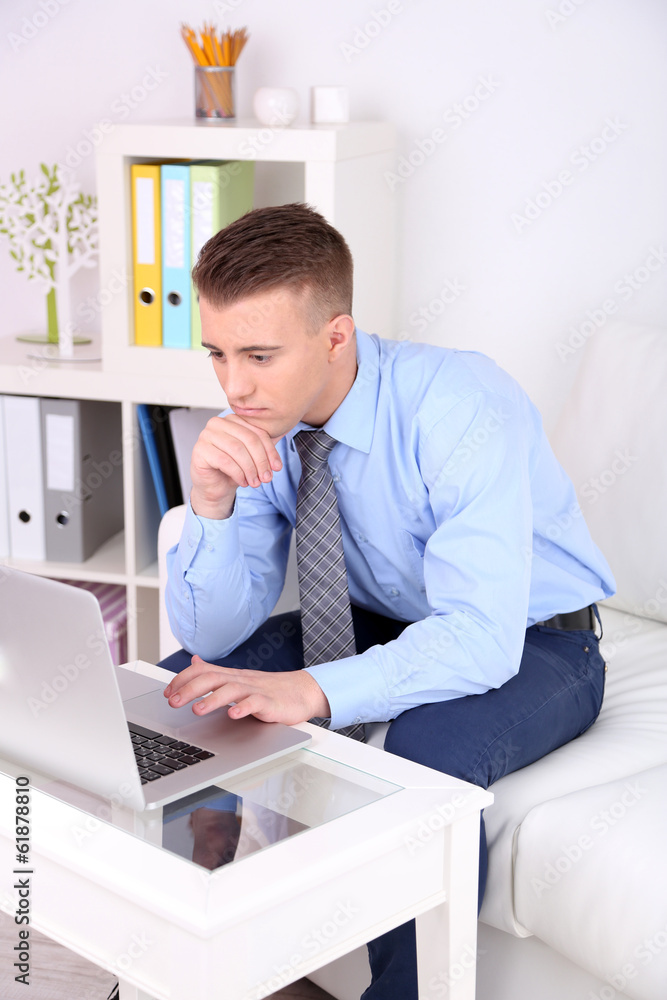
[370,841]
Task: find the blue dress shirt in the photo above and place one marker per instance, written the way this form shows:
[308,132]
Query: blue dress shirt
[455,516]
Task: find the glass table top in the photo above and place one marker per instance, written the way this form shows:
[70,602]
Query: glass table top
[260,807]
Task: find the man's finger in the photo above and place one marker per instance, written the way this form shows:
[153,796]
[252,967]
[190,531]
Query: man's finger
[257,441]
[197,687]
[196,667]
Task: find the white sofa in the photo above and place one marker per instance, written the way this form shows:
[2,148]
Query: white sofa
[576,900]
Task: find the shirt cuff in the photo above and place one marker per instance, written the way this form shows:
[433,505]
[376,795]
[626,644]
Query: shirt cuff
[355,688]
[210,535]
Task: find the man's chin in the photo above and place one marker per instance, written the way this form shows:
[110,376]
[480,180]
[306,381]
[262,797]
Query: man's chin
[274,426]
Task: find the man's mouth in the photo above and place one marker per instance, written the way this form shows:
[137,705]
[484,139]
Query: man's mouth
[247,411]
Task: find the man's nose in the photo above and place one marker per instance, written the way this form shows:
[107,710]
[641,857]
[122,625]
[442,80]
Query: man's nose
[237,382]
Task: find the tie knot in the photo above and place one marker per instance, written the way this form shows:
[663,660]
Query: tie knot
[313,448]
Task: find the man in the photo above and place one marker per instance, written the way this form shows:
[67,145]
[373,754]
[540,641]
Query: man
[471,574]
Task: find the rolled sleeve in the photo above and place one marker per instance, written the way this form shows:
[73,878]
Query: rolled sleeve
[207,556]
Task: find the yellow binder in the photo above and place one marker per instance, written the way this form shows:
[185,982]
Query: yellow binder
[146,254]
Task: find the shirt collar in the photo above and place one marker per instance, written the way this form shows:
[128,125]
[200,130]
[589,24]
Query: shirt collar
[353,423]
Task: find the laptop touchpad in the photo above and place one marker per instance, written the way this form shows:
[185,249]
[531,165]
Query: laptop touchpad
[132,685]
[154,711]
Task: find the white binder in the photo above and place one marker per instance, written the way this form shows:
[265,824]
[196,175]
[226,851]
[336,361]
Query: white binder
[83,476]
[186,425]
[25,484]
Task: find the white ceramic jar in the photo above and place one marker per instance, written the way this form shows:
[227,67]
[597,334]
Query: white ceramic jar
[276,105]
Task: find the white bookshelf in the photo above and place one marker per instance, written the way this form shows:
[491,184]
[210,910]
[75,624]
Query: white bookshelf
[339,170]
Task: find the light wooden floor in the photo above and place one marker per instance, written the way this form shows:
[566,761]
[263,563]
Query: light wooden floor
[59,974]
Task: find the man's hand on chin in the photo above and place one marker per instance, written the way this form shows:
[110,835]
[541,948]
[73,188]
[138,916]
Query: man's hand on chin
[289,696]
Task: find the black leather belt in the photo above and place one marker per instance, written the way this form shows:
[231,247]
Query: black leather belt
[573,620]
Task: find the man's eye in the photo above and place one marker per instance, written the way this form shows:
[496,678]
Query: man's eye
[261,359]
[216,355]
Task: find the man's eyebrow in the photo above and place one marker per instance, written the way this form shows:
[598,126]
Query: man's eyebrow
[254,348]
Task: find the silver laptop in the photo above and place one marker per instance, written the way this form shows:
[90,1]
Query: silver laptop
[68,713]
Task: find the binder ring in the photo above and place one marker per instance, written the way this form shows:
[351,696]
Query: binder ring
[174,299]
[147,296]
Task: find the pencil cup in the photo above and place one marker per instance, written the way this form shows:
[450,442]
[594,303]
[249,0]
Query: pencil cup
[215,93]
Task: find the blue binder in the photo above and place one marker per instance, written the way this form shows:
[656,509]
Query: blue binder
[147,429]
[176,303]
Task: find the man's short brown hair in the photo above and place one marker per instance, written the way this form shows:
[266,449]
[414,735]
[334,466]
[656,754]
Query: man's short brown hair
[284,246]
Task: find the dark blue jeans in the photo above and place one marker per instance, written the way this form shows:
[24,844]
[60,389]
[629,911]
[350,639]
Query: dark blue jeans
[555,697]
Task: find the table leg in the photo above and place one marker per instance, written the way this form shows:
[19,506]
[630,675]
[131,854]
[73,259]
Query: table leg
[129,992]
[447,934]
[147,825]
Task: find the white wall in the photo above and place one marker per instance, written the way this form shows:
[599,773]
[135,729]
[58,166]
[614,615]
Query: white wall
[552,82]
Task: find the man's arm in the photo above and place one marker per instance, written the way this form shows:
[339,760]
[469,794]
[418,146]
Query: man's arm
[477,575]
[483,492]
[477,571]
[221,587]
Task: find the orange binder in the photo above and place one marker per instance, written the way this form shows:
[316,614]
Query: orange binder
[147,254]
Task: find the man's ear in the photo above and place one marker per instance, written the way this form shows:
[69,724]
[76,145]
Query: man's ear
[340,332]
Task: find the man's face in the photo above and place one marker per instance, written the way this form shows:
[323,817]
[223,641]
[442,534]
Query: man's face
[273,368]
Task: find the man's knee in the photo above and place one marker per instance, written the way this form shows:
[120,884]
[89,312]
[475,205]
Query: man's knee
[411,737]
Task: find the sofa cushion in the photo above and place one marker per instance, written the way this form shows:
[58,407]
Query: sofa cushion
[629,736]
[610,440]
[590,878]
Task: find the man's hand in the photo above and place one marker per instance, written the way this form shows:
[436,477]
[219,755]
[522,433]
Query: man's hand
[290,696]
[229,453]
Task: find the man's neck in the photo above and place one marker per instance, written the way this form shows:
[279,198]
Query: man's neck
[337,389]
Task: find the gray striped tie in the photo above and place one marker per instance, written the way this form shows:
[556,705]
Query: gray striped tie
[326,616]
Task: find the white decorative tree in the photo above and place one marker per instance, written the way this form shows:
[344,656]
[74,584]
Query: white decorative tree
[52,231]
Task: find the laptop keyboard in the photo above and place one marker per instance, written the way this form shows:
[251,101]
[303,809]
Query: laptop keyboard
[158,755]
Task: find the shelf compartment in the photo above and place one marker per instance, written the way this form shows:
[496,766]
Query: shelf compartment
[106,565]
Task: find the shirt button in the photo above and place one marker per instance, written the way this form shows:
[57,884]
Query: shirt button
[336,477]
[362,538]
[357,720]
[209,547]
[394,593]
[190,542]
